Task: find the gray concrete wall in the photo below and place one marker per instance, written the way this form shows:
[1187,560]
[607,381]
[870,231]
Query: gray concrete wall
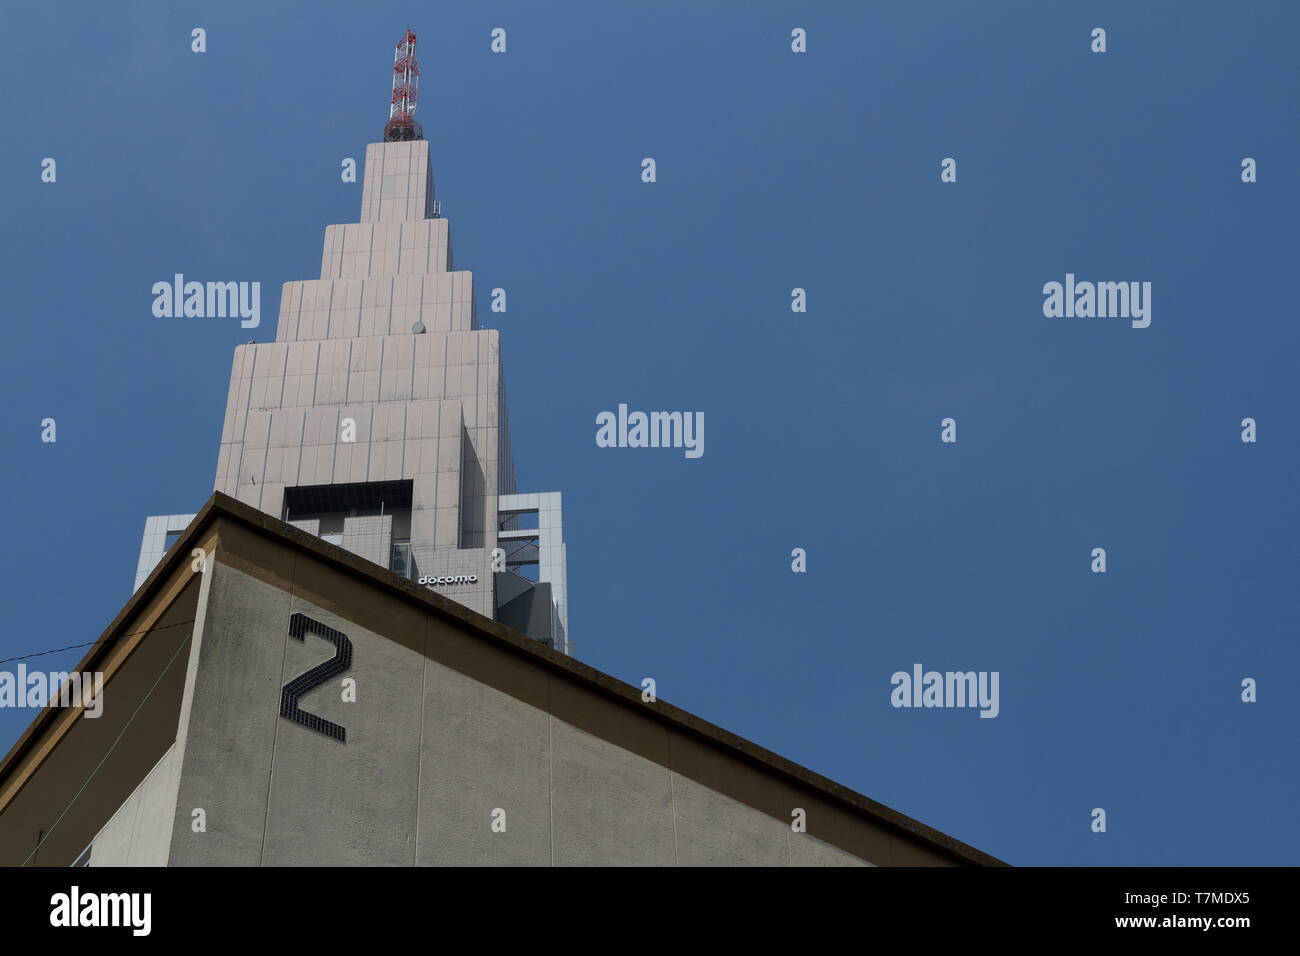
[139,834]
[229,722]
[431,752]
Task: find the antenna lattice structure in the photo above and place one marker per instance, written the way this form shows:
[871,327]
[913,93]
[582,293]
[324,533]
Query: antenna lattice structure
[401,125]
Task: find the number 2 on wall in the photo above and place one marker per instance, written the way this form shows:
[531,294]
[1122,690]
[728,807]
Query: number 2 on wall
[299,626]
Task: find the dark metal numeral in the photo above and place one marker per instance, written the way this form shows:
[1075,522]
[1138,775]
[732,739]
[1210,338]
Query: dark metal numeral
[299,626]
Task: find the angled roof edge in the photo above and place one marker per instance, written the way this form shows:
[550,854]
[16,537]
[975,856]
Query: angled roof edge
[220,506]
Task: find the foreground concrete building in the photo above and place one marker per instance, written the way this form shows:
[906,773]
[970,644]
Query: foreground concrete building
[280,700]
[377,418]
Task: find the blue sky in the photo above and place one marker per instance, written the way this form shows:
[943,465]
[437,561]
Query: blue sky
[775,170]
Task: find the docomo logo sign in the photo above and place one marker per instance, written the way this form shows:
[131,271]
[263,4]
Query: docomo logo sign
[456,579]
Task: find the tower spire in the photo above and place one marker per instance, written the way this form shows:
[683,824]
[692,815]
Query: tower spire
[401,125]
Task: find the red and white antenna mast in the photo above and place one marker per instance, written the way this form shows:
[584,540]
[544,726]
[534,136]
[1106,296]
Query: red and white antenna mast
[401,125]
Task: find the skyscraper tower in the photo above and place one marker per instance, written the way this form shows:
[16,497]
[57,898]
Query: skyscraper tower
[377,418]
